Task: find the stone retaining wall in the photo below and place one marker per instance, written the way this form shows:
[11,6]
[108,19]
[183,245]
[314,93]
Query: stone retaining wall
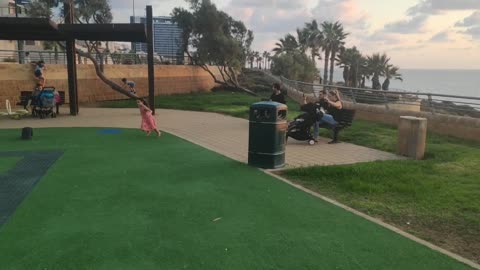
[15,78]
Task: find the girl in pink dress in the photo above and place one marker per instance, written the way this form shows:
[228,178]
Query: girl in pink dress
[148,120]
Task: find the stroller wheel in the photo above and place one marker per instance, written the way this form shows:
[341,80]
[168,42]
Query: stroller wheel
[311,142]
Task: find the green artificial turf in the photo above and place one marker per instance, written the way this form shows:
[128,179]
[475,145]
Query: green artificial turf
[125,201]
[6,163]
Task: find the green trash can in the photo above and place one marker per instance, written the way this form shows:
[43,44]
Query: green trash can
[267,135]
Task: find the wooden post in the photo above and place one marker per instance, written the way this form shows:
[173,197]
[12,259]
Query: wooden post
[412,136]
[71,63]
[151,71]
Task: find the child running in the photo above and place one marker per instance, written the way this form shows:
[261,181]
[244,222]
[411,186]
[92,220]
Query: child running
[148,120]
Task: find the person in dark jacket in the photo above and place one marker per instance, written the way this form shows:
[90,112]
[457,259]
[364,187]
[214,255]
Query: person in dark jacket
[321,106]
[277,95]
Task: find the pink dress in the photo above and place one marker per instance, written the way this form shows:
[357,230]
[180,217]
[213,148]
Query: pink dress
[148,120]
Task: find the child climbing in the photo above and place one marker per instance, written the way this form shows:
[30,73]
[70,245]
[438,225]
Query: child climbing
[39,72]
[130,84]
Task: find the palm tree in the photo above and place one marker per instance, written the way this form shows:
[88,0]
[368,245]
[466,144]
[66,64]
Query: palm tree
[266,57]
[314,38]
[391,72]
[314,41]
[302,37]
[286,45]
[351,60]
[362,73]
[256,55]
[334,40]
[327,37]
[251,58]
[377,64]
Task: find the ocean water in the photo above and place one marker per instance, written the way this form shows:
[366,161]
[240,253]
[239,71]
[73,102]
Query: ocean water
[441,81]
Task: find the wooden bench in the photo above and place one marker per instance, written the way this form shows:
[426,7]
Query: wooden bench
[344,118]
[25,96]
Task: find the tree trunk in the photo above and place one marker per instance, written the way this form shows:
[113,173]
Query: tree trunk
[332,65]
[100,58]
[354,76]
[376,82]
[55,54]
[102,77]
[346,76]
[363,81]
[325,68]
[205,67]
[386,84]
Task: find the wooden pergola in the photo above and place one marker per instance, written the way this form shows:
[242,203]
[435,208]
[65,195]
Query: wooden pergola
[45,29]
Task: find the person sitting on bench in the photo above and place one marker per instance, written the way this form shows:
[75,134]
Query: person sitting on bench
[321,107]
[334,106]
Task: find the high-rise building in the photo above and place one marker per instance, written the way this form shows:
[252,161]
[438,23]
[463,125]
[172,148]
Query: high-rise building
[167,38]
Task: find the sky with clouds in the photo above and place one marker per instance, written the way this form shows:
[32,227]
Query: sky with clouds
[414,33]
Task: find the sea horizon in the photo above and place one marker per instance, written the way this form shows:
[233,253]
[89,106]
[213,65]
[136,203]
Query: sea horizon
[461,82]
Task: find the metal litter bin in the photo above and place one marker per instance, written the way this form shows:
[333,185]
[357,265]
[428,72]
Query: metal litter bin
[267,135]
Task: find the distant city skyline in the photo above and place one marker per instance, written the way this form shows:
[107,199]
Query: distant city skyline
[167,37]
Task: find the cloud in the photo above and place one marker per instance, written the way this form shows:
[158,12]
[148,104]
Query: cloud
[420,13]
[407,26]
[472,23]
[433,7]
[280,4]
[407,48]
[455,4]
[382,36]
[471,20]
[441,37]
[474,32]
[346,11]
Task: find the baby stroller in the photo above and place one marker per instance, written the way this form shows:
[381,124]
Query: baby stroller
[300,128]
[44,103]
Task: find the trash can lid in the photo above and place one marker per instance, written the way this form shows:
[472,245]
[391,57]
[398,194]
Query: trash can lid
[268,104]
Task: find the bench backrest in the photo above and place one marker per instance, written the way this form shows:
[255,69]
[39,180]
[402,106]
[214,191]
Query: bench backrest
[345,117]
[26,95]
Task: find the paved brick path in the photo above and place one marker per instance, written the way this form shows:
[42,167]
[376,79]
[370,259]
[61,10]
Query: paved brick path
[223,134]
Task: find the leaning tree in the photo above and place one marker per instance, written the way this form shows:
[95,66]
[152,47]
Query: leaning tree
[85,12]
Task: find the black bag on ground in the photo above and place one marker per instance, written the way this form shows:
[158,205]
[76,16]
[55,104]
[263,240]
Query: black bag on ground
[27,133]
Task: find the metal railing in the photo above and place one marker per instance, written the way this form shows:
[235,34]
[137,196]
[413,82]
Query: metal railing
[402,100]
[9,11]
[113,58]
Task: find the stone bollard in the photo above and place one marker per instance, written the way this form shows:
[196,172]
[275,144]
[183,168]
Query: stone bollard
[412,136]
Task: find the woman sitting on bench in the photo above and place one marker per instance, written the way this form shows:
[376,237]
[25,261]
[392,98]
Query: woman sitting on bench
[334,106]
